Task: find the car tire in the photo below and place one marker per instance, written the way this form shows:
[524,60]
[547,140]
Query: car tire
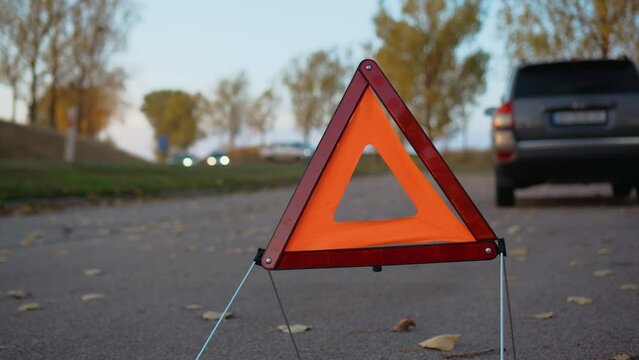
[504,191]
[505,196]
[621,190]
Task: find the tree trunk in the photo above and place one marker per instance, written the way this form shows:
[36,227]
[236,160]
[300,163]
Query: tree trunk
[14,101]
[306,133]
[79,118]
[231,141]
[33,102]
[53,103]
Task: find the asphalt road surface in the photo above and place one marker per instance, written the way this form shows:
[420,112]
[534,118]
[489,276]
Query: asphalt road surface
[158,257]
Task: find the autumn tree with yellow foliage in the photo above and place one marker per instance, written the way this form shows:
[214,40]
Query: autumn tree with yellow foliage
[420,52]
[542,30]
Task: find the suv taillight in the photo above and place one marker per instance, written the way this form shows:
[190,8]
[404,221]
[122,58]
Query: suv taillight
[503,117]
[503,134]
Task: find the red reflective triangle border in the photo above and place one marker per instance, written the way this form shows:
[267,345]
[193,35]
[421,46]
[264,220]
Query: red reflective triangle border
[369,74]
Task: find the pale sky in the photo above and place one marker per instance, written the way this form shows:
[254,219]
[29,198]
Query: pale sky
[190,45]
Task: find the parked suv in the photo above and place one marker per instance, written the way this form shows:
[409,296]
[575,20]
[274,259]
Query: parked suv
[572,121]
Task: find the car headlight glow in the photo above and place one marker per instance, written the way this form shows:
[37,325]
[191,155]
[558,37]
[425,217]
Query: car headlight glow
[224,160]
[211,160]
[187,162]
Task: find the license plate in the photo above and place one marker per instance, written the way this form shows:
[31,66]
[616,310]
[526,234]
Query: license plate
[587,117]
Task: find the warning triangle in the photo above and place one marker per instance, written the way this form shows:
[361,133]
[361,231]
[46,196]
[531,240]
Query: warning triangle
[308,236]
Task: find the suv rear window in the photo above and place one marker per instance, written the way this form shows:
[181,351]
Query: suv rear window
[569,78]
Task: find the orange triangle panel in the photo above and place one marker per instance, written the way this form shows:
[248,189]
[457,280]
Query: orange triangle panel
[308,236]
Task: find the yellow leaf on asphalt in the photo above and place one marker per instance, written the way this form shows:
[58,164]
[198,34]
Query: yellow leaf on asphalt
[18,294]
[576,263]
[513,230]
[603,251]
[92,297]
[190,248]
[518,251]
[445,342]
[93,272]
[31,238]
[145,247]
[214,315]
[29,307]
[579,300]
[193,307]
[542,315]
[234,251]
[603,272]
[628,287]
[622,356]
[403,325]
[295,329]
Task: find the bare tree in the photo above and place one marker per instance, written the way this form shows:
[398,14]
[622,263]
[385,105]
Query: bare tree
[98,30]
[56,55]
[33,24]
[261,113]
[228,108]
[11,62]
[314,86]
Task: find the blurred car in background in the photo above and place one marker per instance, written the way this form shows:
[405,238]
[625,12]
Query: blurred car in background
[572,121]
[183,158]
[289,151]
[217,158]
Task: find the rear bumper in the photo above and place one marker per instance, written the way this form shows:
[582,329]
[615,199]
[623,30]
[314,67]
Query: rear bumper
[573,160]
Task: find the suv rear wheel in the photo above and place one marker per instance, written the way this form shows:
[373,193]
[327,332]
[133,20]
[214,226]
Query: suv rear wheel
[505,196]
[504,191]
[621,190]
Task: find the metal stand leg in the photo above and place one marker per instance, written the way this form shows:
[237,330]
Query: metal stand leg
[219,321]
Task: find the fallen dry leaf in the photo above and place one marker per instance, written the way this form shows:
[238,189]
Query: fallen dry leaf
[18,294]
[403,325]
[190,248]
[234,251]
[92,297]
[622,356]
[93,272]
[214,315]
[31,238]
[628,287]
[603,251]
[145,247]
[576,263]
[603,272]
[29,307]
[513,230]
[542,315]
[445,342]
[518,252]
[579,300]
[193,307]
[295,329]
